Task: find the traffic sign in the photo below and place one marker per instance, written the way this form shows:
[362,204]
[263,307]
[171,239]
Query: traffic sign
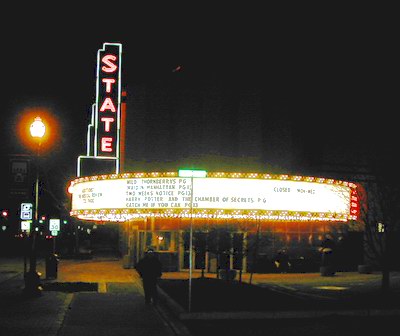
[26,211]
[54,224]
[26,225]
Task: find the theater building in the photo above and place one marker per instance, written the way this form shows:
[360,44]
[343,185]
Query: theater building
[230,219]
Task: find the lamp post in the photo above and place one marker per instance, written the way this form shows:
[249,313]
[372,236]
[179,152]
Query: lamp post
[191,173]
[32,278]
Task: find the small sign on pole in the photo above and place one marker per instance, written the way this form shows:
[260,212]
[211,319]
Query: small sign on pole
[26,211]
[26,225]
[54,224]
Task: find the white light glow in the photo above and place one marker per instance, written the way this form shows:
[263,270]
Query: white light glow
[38,129]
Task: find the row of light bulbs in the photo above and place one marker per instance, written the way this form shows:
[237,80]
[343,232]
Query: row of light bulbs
[116,215]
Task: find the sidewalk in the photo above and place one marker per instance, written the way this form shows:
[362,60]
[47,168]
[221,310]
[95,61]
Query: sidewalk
[27,316]
[116,308]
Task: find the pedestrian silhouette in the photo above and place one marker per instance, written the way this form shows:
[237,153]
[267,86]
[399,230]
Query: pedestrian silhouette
[150,270]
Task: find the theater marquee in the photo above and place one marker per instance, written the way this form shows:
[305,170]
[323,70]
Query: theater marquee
[220,195]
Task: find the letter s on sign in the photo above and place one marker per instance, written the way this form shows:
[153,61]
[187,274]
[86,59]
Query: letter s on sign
[109,65]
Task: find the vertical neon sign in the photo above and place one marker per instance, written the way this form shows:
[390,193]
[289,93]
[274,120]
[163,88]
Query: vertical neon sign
[108,101]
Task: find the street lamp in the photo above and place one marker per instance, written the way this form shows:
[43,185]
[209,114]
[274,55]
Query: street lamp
[32,278]
[191,173]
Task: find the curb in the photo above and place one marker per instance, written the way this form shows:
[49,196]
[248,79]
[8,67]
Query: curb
[183,315]
[171,314]
[290,314]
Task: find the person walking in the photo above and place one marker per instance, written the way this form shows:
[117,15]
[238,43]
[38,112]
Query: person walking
[150,270]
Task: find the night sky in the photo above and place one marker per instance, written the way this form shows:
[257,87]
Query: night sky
[250,82]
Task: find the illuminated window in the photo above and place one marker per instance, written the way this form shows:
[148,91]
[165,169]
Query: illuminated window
[163,241]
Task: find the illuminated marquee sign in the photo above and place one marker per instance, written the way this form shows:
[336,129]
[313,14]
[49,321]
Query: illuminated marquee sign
[108,100]
[217,197]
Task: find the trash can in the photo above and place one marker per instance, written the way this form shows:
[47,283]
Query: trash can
[51,266]
[327,263]
[227,274]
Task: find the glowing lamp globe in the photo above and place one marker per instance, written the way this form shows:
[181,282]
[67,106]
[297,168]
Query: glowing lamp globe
[38,128]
